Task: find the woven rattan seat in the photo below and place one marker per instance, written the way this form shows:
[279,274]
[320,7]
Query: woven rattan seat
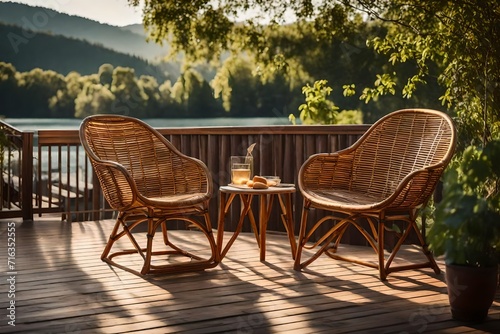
[385,177]
[151,184]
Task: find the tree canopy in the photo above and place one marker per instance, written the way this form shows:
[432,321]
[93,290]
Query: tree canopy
[453,42]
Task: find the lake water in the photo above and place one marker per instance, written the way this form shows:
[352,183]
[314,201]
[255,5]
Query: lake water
[73,123]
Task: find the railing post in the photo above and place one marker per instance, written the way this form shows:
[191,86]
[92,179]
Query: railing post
[27,173]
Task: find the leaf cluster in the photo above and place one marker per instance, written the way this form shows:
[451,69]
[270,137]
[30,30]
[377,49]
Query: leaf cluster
[317,109]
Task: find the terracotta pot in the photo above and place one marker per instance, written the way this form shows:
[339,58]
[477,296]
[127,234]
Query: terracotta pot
[471,291]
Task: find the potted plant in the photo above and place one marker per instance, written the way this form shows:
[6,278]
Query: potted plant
[466,231]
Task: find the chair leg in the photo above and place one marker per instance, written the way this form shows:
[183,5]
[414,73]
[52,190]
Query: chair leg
[149,247]
[112,237]
[215,258]
[425,250]
[431,262]
[153,222]
[376,240]
[115,235]
[301,239]
[197,262]
[380,250]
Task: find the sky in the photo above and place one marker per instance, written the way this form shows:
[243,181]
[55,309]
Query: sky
[113,12]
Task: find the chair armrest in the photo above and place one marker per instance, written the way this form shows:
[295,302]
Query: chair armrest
[416,188]
[117,185]
[327,170]
[203,171]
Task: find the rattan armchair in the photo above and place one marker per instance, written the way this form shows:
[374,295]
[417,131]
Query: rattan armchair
[383,178]
[151,184]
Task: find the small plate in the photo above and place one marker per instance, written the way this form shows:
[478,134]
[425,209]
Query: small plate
[243,186]
[285,185]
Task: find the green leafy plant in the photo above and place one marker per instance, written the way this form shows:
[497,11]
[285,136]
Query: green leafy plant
[317,109]
[466,229]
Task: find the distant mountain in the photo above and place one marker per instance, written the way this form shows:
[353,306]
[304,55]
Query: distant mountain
[130,40]
[136,29]
[27,50]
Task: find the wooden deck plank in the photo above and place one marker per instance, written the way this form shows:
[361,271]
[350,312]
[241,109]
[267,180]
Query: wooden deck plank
[63,286]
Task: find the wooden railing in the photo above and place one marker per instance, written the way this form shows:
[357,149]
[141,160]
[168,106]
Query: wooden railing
[63,181]
[16,168]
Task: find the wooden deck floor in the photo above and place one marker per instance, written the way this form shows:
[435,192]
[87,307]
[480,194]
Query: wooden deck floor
[62,286]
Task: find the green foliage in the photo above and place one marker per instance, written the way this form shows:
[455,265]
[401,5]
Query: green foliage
[206,29]
[106,74]
[421,44]
[326,40]
[457,36]
[94,99]
[62,104]
[236,86]
[281,58]
[383,85]
[129,98]
[412,48]
[349,90]
[194,95]
[467,220]
[39,86]
[318,109]
[9,88]
[350,117]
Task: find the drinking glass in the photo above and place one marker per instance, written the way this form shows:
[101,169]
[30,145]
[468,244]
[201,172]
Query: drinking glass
[241,169]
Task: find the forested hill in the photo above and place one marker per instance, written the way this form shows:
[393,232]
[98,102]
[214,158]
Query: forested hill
[27,50]
[124,40]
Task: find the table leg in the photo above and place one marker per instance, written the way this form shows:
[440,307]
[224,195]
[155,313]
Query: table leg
[246,201]
[220,223]
[287,219]
[253,224]
[265,206]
